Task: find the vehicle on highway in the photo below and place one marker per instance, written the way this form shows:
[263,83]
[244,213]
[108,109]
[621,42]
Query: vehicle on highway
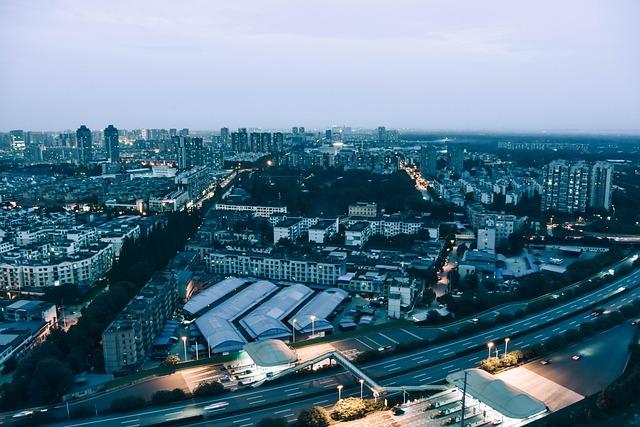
[23,414]
[384,348]
[597,312]
[217,405]
[636,322]
[576,357]
[545,362]
[474,320]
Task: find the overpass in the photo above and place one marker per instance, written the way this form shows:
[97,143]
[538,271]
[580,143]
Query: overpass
[376,388]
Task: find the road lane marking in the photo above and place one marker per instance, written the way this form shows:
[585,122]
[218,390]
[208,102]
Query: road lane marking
[253,402]
[364,343]
[376,343]
[389,338]
[448,367]
[474,358]
[295,393]
[412,334]
[417,358]
[537,336]
[254,397]
[320,402]
[242,420]
[282,411]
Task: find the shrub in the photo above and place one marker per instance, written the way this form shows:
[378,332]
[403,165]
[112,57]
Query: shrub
[314,416]
[171,360]
[127,403]
[351,408]
[163,397]
[212,388]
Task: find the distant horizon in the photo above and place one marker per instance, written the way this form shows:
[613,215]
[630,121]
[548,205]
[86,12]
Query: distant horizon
[567,132]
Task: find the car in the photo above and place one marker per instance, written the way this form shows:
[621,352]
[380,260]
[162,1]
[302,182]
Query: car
[576,357]
[217,405]
[385,348]
[636,322]
[597,312]
[23,414]
[397,411]
[545,362]
[474,320]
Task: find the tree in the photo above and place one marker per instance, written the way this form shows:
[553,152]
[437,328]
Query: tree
[171,360]
[428,296]
[50,380]
[349,409]
[315,416]
[211,388]
[272,422]
[163,397]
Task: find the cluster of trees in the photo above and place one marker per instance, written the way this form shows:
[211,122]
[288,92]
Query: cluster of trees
[315,416]
[353,408]
[46,373]
[329,191]
[495,364]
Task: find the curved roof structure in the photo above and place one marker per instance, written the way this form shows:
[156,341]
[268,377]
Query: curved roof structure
[321,307]
[270,353]
[216,324]
[210,295]
[504,398]
[266,320]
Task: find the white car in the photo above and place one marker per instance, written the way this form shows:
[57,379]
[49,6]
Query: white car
[22,414]
[217,405]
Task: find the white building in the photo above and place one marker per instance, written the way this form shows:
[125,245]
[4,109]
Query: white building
[263,211]
[358,234]
[322,230]
[363,209]
[486,240]
[172,202]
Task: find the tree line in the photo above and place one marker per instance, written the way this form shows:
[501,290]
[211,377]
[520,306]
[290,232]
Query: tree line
[46,373]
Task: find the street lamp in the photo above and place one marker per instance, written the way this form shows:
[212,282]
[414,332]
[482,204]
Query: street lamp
[293,329]
[490,346]
[313,325]
[340,392]
[361,389]
[506,344]
[184,343]
[208,347]
[197,355]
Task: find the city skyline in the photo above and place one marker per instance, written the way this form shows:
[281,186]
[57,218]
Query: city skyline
[206,66]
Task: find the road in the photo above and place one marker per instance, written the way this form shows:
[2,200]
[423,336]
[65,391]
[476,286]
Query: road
[418,367]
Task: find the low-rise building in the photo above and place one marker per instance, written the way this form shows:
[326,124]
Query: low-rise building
[358,234]
[364,209]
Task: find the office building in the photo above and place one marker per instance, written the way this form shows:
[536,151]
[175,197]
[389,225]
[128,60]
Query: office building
[84,145]
[382,134]
[600,186]
[455,158]
[565,186]
[18,142]
[278,142]
[111,144]
[225,141]
[429,160]
[189,152]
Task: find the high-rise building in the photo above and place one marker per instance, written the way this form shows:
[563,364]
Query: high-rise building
[429,160]
[254,141]
[189,152]
[18,142]
[455,158]
[184,132]
[278,142]
[382,134]
[565,186]
[328,135]
[600,186]
[217,159]
[265,142]
[111,144]
[173,132]
[84,145]
[224,138]
[240,140]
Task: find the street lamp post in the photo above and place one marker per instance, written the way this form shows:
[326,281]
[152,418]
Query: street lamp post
[184,343]
[340,392]
[361,389]
[208,347]
[489,346]
[293,329]
[313,325]
[506,344]
[197,354]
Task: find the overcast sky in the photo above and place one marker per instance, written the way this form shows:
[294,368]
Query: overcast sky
[458,65]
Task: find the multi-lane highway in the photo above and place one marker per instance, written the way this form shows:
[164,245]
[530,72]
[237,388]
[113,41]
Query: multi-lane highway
[417,367]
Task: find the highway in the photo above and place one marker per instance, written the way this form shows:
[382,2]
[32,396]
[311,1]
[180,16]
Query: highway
[418,367]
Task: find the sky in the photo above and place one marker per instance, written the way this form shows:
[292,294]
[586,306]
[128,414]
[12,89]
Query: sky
[541,66]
